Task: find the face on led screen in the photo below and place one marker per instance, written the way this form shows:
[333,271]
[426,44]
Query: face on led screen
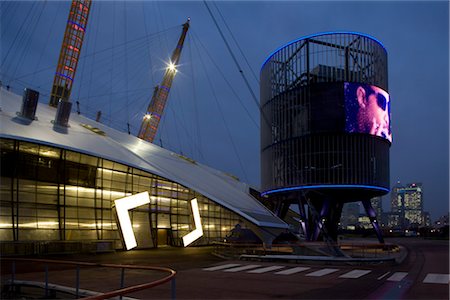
[367,110]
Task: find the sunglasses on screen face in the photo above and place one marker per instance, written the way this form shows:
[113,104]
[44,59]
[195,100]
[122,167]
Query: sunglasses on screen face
[381,101]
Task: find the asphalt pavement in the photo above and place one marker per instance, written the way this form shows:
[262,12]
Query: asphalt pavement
[424,274]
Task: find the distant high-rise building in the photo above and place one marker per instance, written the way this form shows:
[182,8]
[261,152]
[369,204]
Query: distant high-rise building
[426,219]
[377,204]
[407,205]
[394,220]
[350,215]
[442,221]
[413,203]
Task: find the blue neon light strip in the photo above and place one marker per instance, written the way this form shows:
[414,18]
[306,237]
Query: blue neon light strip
[156,115]
[164,88]
[326,186]
[62,75]
[320,34]
[72,22]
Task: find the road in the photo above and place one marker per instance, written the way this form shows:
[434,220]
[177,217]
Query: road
[422,275]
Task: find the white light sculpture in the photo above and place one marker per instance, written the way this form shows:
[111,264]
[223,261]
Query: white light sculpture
[198,232]
[123,205]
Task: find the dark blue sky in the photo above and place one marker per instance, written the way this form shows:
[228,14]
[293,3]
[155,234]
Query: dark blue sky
[211,115]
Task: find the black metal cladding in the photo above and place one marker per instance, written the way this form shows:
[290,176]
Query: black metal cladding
[304,141]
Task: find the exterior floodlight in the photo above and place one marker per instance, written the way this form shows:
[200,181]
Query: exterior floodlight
[198,232]
[172,67]
[123,205]
[147,116]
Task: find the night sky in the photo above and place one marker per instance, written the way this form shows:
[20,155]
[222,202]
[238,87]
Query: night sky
[211,115]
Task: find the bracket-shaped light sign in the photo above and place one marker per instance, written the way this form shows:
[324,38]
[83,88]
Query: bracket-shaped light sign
[198,231]
[123,205]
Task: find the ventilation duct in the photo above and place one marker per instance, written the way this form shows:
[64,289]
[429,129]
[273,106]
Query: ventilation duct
[29,103]
[63,113]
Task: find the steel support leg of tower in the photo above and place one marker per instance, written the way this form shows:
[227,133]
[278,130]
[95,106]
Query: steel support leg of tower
[303,220]
[373,219]
[324,213]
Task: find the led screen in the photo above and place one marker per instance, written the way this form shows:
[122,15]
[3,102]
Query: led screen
[367,110]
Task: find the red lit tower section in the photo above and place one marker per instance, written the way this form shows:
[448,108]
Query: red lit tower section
[155,109]
[70,51]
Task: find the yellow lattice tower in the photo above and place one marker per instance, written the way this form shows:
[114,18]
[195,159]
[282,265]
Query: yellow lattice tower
[70,51]
[151,120]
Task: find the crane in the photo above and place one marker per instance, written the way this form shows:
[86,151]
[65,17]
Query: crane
[70,51]
[151,120]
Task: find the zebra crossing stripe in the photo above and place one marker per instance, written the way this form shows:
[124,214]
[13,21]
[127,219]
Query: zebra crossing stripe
[221,267]
[355,274]
[266,269]
[322,272]
[384,275]
[397,276]
[243,268]
[293,270]
[437,278]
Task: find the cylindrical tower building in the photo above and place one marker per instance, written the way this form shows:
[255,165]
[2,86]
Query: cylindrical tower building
[325,126]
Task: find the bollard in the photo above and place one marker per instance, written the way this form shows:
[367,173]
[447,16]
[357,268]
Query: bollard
[46,281]
[13,275]
[173,288]
[77,283]
[122,280]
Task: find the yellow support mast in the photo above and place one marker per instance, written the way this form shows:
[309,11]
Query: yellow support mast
[70,51]
[155,109]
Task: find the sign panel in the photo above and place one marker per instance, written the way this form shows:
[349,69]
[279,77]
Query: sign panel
[367,110]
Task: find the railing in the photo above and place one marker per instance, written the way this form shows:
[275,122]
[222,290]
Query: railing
[355,250]
[374,250]
[101,295]
[236,249]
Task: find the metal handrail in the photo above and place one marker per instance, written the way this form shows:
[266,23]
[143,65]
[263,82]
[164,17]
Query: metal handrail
[120,292]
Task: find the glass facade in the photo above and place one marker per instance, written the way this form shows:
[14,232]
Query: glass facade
[303,138]
[52,194]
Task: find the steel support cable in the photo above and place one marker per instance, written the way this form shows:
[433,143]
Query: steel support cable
[4,11]
[174,89]
[18,33]
[126,63]
[235,41]
[45,45]
[194,96]
[148,46]
[223,118]
[83,57]
[19,46]
[113,47]
[223,77]
[27,39]
[95,11]
[238,67]
[176,131]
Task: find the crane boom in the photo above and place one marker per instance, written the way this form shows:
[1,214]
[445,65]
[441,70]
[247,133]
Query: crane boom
[151,120]
[70,51]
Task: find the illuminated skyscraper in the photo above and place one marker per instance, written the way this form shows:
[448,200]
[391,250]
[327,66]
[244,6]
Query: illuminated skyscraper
[377,204]
[407,203]
[413,202]
[350,215]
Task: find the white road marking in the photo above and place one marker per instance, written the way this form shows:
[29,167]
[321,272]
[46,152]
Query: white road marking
[266,269]
[322,272]
[221,267]
[384,275]
[293,270]
[355,274]
[437,278]
[243,268]
[397,276]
